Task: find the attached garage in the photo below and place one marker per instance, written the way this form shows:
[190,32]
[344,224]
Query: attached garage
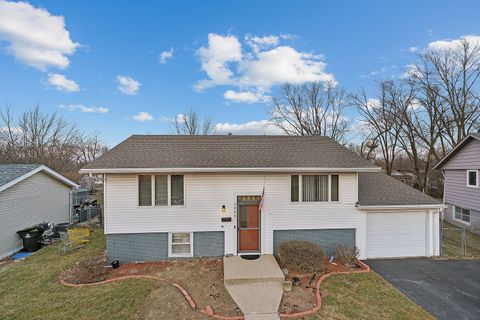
[396,234]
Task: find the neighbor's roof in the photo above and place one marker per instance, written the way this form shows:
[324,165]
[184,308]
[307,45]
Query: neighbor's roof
[468,138]
[229,152]
[11,174]
[379,189]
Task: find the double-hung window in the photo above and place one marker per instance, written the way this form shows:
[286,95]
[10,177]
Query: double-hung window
[314,188]
[472,178]
[461,214]
[160,190]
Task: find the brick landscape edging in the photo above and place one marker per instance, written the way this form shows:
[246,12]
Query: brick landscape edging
[365,268]
[208,309]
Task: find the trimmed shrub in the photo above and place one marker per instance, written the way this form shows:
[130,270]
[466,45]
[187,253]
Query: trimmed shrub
[301,256]
[346,255]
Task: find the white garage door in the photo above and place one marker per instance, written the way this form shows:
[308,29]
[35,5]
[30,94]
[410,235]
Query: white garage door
[400,234]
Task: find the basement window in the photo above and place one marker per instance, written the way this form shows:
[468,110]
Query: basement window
[461,214]
[181,244]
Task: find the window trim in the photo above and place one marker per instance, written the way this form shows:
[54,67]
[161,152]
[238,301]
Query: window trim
[169,187]
[471,185]
[300,187]
[179,255]
[461,209]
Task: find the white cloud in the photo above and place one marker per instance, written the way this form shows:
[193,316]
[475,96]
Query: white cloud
[252,127]
[142,116]
[263,63]
[413,49]
[440,45]
[282,64]
[61,83]
[14,130]
[165,56]
[258,43]
[127,85]
[411,70]
[215,59]
[34,36]
[245,96]
[83,108]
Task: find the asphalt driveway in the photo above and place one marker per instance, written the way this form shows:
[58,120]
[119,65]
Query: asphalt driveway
[446,289]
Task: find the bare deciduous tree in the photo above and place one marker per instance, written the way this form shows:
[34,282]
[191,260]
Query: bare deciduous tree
[191,124]
[452,76]
[311,109]
[36,137]
[381,117]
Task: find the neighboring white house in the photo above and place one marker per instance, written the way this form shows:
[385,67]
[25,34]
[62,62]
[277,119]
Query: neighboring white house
[30,194]
[193,196]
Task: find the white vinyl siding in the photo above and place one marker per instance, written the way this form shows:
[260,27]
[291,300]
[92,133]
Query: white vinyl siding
[205,194]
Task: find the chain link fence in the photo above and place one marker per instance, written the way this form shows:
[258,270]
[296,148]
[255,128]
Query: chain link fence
[459,241]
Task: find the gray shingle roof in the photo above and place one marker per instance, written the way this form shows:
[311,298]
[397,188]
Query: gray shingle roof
[10,172]
[377,188]
[224,151]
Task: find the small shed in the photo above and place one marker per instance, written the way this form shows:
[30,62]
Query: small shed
[30,194]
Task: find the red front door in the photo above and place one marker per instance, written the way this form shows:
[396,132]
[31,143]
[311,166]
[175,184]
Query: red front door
[249,228]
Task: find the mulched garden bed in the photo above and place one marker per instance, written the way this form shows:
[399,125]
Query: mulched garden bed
[201,278]
[302,297]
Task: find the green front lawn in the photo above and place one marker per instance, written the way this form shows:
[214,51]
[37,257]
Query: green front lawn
[365,296]
[452,239]
[30,289]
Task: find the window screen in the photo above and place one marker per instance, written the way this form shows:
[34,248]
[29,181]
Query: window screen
[161,190]
[295,188]
[144,190]
[176,190]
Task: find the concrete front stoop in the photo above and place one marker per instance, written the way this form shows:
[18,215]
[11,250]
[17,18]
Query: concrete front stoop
[255,285]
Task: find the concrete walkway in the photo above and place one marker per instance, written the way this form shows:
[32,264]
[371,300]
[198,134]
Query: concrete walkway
[255,285]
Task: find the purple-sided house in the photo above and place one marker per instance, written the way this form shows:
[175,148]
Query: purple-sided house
[461,169]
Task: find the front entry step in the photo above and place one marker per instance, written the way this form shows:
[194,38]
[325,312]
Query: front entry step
[263,269]
[255,285]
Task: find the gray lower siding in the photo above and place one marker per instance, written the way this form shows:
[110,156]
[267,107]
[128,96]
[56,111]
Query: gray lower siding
[154,246]
[474,218]
[327,238]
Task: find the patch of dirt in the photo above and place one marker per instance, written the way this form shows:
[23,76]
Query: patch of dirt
[202,278]
[166,302]
[5,263]
[303,294]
